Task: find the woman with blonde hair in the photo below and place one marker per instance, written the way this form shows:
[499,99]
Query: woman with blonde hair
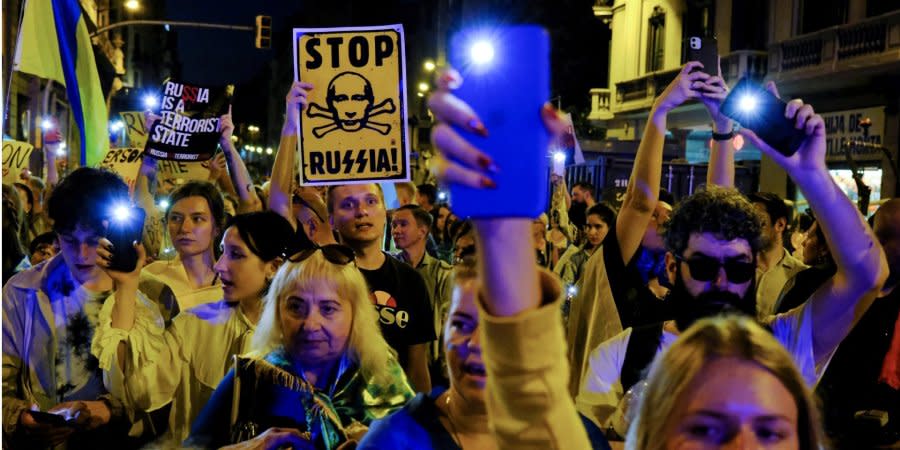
[725,381]
[319,371]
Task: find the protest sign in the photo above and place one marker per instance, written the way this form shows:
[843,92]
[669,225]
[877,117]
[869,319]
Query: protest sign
[189,126]
[354,129]
[135,128]
[15,159]
[126,162]
[179,172]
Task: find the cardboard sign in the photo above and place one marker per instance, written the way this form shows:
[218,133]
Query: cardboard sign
[179,172]
[189,128]
[15,159]
[126,162]
[135,128]
[354,130]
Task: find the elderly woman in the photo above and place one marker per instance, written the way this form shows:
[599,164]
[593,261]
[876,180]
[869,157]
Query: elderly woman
[726,382]
[320,370]
[149,366]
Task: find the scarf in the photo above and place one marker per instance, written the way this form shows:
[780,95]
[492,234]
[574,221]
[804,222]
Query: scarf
[333,415]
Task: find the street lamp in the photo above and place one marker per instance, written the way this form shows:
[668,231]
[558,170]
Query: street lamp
[253,128]
[132,5]
[268,150]
[429,65]
[423,87]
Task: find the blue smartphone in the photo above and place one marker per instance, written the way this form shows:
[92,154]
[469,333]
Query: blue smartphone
[755,108]
[506,80]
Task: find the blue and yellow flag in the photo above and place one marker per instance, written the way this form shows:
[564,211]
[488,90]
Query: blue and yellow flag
[54,43]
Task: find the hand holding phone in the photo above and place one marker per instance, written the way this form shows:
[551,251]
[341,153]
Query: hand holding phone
[47,418]
[704,50]
[507,81]
[126,225]
[762,112]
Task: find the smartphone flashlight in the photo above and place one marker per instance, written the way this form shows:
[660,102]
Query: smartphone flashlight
[150,101]
[482,52]
[46,124]
[442,196]
[163,203]
[572,291]
[121,213]
[559,157]
[116,126]
[747,103]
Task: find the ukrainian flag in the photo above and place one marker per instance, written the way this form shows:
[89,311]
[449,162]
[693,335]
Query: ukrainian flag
[54,43]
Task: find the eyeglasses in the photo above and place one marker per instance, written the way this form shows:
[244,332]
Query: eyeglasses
[704,268]
[334,253]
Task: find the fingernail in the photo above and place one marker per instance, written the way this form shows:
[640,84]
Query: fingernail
[478,127]
[488,183]
[485,163]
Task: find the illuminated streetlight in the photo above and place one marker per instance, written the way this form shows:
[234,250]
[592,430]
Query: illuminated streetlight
[253,128]
[234,138]
[429,65]
[132,5]
[423,87]
[268,150]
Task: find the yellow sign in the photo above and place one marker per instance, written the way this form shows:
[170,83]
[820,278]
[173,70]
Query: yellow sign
[136,128]
[354,130]
[15,160]
[126,162]
[179,172]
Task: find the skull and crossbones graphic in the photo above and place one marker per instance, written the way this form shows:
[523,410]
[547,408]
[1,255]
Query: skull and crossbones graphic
[351,103]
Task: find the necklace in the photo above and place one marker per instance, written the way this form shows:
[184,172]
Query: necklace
[454,433]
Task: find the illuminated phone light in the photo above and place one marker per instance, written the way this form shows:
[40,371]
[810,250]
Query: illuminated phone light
[46,124]
[572,290]
[61,151]
[121,213]
[747,103]
[116,126]
[163,204]
[150,101]
[482,52]
[559,157]
[442,196]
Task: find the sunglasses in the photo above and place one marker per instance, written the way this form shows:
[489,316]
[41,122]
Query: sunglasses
[334,253]
[704,268]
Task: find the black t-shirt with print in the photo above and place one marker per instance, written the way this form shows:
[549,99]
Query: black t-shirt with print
[401,299]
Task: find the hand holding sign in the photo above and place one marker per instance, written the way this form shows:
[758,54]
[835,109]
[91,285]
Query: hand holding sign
[226,127]
[353,128]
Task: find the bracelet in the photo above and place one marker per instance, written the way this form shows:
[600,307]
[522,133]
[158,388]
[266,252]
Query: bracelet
[723,136]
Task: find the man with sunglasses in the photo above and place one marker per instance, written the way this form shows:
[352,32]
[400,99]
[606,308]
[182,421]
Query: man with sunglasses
[712,241]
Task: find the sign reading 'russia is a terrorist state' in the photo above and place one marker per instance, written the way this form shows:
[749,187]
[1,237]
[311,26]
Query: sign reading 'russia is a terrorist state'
[189,126]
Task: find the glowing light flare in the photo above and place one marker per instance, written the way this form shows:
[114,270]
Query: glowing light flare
[132,5]
[429,66]
[481,52]
[559,157]
[150,101]
[747,103]
[121,213]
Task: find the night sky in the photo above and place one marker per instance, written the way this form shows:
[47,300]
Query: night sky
[214,57]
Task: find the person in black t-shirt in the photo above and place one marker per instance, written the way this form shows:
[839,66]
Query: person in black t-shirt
[398,291]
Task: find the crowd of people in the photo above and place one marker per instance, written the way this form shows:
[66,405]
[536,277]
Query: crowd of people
[288,316]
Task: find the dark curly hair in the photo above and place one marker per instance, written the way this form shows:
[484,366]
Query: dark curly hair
[723,212]
[85,197]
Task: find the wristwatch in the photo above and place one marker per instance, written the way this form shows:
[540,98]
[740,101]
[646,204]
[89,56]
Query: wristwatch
[724,136]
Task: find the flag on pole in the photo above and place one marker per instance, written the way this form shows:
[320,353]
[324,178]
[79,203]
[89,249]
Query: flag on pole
[54,43]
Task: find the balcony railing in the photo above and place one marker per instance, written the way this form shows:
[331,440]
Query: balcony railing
[832,46]
[639,93]
[600,99]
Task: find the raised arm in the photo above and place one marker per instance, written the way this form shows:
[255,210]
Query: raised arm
[237,171]
[642,192]
[721,152]
[524,346]
[281,184]
[861,263]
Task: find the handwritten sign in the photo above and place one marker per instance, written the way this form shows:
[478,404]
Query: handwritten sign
[15,159]
[189,127]
[135,128]
[354,129]
[126,162]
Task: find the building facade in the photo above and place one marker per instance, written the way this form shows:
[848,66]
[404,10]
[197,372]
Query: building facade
[841,56]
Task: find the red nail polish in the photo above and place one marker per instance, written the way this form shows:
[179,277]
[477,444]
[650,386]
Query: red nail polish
[478,127]
[486,164]
[488,183]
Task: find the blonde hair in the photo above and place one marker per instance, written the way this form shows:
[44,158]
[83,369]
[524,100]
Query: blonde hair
[366,346]
[720,337]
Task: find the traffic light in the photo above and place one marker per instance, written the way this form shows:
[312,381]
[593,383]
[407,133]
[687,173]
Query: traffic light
[263,31]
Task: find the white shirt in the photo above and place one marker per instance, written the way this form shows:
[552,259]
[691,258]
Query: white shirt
[601,388]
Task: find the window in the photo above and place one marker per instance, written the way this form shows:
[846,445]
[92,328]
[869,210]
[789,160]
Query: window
[817,15]
[656,40]
[749,22]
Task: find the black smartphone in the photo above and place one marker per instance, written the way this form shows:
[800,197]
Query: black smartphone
[126,224]
[755,108]
[704,50]
[50,419]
